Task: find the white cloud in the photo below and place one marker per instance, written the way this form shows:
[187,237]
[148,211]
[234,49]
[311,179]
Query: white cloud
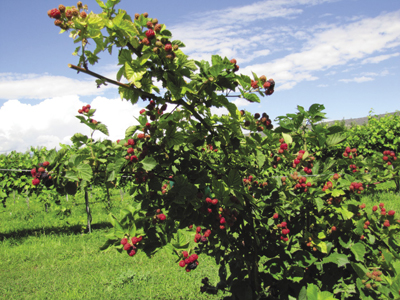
[35,86]
[357,79]
[53,121]
[334,47]
[378,59]
[218,32]
[322,85]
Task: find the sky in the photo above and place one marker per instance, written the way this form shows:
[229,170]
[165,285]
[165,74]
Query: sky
[344,54]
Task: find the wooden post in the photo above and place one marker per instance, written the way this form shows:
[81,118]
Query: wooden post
[89,216]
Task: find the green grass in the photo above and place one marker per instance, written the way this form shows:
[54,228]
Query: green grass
[45,257]
[48,255]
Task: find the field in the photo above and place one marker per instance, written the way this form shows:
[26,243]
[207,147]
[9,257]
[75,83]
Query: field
[48,255]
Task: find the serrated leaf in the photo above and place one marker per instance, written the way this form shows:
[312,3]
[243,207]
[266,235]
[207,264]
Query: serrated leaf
[102,128]
[251,97]
[260,157]
[359,251]
[84,172]
[149,163]
[288,139]
[337,258]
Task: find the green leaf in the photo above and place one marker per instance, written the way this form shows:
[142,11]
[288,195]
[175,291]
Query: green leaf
[149,163]
[337,258]
[215,70]
[72,175]
[233,180]
[288,139]
[101,4]
[359,251]
[334,139]
[260,159]
[251,97]
[102,128]
[176,138]
[84,172]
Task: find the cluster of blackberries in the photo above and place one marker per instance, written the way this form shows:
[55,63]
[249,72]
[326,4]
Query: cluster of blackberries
[153,111]
[131,247]
[190,262]
[65,15]
[350,152]
[40,174]
[201,238]
[356,187]
[389,156]
[302,185]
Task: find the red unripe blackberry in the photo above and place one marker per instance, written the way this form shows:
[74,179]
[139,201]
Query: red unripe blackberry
[386,223]
[254,84]
[283,146]
[54,13]
[266,85]
[140,136]
[150,33]
[130,150]
[134,158]
[83,14]
[185,254]
[233,61]
[131,142]
[161,217]
[124,241]
[35,181]
[209,210]
[207,233]
[198,229]
[285,231]
[132,252]
[283,224]
[275,216]
[149,25]
[222,220]
[203,239]
[33,172]
[45,164]
[168,48]
[333,228]
[68,14]
[214,201]
[182,263]
[127,246]
[135,240]
[391,212]
[146,41]
[222,227]
[381,205]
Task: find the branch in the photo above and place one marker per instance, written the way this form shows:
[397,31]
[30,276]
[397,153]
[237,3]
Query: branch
[149,95]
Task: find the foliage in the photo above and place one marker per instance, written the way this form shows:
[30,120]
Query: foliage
[203,187]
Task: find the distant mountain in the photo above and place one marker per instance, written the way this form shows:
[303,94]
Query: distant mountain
[359,121]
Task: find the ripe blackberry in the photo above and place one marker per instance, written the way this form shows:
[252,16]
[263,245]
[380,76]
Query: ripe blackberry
[192,266]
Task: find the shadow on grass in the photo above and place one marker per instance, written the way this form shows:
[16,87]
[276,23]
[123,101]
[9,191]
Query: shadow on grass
[48,230]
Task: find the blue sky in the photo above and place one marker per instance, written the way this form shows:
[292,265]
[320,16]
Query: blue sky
[344,54]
